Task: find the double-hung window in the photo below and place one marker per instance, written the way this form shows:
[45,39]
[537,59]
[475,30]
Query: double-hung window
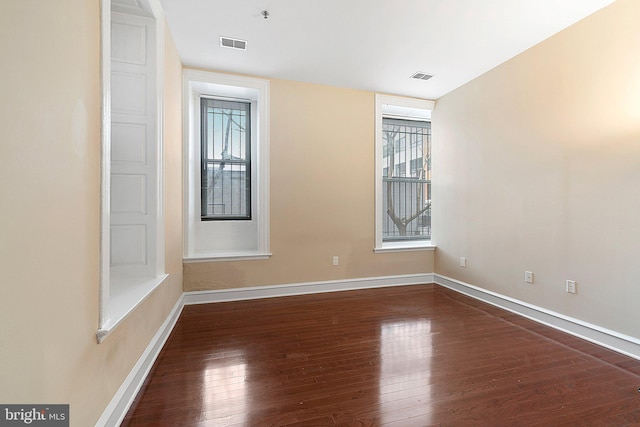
[403,173]
[226,167]
[406,194]
[225,158]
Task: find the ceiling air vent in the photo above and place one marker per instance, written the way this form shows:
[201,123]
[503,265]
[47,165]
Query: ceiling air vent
[233,43]
[421,76]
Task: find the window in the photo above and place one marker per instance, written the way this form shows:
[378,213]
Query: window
[406,199]
[403,173]
[225,157]
[417,168]
[226,167]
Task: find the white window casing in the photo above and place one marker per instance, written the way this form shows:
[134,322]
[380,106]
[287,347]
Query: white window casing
[404,108]
[226,239]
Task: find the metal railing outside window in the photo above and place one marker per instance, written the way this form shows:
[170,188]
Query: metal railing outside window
[406,197]
[225,159]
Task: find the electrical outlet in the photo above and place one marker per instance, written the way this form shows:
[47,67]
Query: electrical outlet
[336,260]
[528,276]
[463,261]
[571,286]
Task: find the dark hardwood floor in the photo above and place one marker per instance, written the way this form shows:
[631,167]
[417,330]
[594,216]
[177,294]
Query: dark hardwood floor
[403,356]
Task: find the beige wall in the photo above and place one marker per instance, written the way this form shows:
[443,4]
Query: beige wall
[322,195]
[49,214]
[536,167]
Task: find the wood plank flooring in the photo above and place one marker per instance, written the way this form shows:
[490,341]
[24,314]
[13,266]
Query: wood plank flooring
[404,356]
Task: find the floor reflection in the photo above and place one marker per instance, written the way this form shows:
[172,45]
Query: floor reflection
[405,368]
[224,389]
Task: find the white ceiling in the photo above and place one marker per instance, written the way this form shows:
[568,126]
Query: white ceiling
[373,45]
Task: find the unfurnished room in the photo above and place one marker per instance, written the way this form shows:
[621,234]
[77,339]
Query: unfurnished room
[320,213]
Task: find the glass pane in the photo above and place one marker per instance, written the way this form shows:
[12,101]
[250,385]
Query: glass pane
[227,127]
[226,166]
[406,178]
[226,190]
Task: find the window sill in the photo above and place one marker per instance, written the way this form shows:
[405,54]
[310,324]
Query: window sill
[424,245]
[126,296]
[236,256]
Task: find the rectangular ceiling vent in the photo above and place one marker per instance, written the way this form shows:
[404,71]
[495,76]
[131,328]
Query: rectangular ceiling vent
[421,76]
[233,43]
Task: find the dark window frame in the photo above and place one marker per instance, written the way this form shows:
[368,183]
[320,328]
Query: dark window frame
[207,102]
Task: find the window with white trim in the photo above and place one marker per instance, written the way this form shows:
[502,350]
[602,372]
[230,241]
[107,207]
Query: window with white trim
[403,173]
[226,167]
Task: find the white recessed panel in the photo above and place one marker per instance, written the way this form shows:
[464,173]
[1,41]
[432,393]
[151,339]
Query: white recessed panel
[128,245]
[128,143]
[128,193]
[128,93]
[128,43]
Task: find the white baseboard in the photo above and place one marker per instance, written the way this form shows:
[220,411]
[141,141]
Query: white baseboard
[119,405]
[239,294]
[612,340]
[116,410]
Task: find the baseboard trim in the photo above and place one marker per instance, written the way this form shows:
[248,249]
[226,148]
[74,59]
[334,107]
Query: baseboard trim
[116,410]
[255,292]
[124,397]
[612,340]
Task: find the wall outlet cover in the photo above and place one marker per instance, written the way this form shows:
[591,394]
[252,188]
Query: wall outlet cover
[528,276]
